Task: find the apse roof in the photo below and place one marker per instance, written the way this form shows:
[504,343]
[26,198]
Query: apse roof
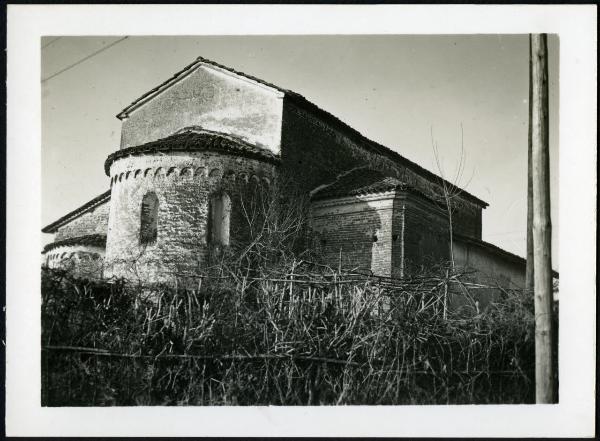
[98,240]
[193,139]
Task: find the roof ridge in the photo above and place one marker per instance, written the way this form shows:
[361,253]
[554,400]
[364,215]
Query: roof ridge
[199,60]
[240,73]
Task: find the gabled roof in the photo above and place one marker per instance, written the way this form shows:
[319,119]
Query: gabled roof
[88,206]
[200,61]
[194,139]
[302,102]
[362,181]
[358,181]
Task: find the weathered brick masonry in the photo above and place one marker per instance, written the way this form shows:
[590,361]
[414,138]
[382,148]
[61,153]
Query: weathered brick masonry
[389,233]
[425,233]
[357,230]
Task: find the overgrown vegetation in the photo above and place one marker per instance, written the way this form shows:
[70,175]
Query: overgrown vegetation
[265,324]
[300,337]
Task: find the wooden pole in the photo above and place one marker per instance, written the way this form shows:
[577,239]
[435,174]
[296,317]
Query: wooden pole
[542,227]
[529,265]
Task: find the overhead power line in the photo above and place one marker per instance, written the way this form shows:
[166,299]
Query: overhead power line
[50,42]
[93,54]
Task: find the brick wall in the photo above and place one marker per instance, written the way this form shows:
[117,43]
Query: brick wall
[94,221]
[425,235]
[398,232]
[316,153]
[183,183]
[213,100]
[410,232]
[359,230]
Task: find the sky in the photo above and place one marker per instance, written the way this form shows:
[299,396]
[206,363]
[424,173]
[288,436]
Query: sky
[397,90]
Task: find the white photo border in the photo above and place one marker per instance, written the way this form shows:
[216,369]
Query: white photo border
[573,416]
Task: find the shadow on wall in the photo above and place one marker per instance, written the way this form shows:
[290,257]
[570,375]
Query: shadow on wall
[391,233]
[354,233]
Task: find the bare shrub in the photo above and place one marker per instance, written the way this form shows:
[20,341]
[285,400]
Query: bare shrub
[307,335]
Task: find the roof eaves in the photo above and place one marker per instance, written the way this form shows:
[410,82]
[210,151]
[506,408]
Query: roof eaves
[91,239]
[156,90]
[322,194]
[214,141]
[98,200]
[358,192]
[496,249]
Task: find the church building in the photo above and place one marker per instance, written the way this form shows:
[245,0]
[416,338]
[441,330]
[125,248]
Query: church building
[190,144]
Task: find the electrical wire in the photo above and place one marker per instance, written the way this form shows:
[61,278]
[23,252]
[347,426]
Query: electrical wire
[102,49]
[50,42]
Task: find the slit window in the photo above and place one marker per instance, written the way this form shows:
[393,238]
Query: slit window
[149,219]
[219,219]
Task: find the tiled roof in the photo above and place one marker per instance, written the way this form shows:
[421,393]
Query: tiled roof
[92,239]
[377,148]
[299,100]
[98,200]
[359,181]
[194,139]
[496,250]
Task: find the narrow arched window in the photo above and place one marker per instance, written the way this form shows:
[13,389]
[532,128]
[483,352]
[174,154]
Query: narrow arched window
[219,219]
[149,219]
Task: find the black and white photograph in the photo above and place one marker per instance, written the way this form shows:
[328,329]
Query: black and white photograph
[248,246]
[318,220]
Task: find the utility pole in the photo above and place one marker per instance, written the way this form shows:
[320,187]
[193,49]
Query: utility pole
[529,265]
[542,227]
